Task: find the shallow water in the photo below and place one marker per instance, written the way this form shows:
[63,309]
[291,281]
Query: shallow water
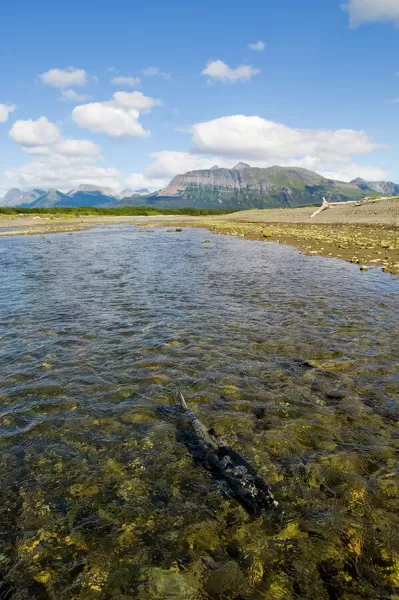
[293,359]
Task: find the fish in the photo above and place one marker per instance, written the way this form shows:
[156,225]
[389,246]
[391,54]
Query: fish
[241,480]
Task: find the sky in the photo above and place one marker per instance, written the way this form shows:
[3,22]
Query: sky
[125,94]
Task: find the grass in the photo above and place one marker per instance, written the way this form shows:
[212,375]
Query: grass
[125,211]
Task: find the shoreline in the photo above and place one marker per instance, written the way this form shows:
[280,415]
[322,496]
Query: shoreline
[367,235]
[365,245]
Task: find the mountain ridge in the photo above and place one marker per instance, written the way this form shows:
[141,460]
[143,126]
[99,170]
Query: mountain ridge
[83,195]
[388,188]
[240,187]
[244,186]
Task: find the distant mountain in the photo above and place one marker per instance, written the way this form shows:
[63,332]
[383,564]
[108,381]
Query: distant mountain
[49,199]
[127,193]
[244,186]
[95,198]
[16,197]
[388,188]
[32,195]
[13,197]
[56,198]
[94,189]
[84,195]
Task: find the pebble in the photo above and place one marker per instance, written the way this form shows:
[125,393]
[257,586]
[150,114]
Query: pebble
[336,394]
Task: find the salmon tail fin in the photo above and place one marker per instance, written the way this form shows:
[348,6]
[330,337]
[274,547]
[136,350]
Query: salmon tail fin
[180,401]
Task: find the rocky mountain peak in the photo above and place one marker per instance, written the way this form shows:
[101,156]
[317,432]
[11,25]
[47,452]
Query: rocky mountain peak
[93,189]
[388,188]
[241,165]
[214,168]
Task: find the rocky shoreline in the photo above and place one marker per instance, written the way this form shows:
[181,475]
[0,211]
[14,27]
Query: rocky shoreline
[365,245]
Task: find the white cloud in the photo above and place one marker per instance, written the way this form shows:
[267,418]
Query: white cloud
[155,72]
[42,137]
[134,100]
[70,147]
[70,95]
[368,11]
[114,121]
[352,170]
[37,150]
[259,46]
[34,133]
[136,181]
[5,110]
[168,163]
[128,81]
[64,78]
[252,137]
[61,172]
[117,117]
[56,161]
[217,70]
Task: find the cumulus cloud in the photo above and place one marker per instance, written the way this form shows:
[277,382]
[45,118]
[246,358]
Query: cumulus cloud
[61,172]
[70,95]
[368,11]
[56,161]
[113,120]
[37,150]
[254,137]
[70,147]
[34,133]
[351,171]
[117,117]
[217,70]
[64,78]
[155,72]
[127,81]
[259,46]
[5,110]
[135,100]
[41,137]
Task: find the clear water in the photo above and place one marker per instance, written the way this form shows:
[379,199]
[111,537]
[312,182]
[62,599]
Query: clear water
[292,359]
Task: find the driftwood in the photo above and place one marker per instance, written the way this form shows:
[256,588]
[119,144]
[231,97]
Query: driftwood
[241,480]
[372,200]
[324,206]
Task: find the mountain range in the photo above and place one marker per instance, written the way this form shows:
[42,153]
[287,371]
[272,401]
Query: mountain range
[241,187]
[84,195]
[388,188]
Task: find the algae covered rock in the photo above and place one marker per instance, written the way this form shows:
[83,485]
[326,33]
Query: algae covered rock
[228,581]
[157,584]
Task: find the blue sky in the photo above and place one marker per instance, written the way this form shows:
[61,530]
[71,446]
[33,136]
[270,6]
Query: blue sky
[129,94]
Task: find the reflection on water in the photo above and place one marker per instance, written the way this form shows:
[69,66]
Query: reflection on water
[292,359]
